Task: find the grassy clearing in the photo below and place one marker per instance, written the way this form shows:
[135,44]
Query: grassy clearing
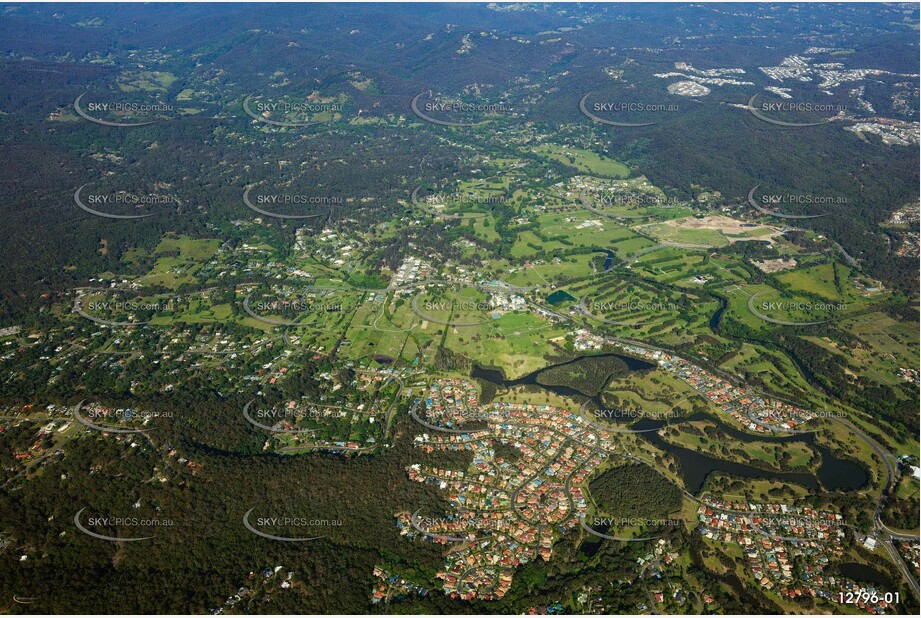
[584,160]
[146,81]
[518,342]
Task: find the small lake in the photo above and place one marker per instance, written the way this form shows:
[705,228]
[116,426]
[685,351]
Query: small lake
[590,546]
[834,474]
[864,573]
[559,297]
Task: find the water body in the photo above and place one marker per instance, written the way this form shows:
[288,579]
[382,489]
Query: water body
[864,573]
[559,297]
[498,378]
[608,261]
[833,474]
[715,320]
[590,548]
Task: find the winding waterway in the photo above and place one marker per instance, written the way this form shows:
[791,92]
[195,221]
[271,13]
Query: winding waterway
[832,474]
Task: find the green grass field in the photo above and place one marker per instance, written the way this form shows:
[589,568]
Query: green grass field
[543,273]
[172,270]
[776,369]
[149,81]
[517,342]
[584,160]
[393,331]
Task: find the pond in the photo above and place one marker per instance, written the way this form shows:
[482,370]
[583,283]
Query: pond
[864,573]
[558,297]
[591,545]
[608,261]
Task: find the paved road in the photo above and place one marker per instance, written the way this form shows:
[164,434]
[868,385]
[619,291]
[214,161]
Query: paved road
[892,474]
[325,447]
[879,528]
[906,571]
[650,599]
[527,482]
[847,256]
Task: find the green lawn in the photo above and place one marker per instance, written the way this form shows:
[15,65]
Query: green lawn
[584,160]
